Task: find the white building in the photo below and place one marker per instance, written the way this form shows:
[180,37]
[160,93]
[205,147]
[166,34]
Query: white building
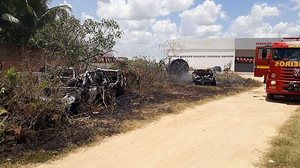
[203,53]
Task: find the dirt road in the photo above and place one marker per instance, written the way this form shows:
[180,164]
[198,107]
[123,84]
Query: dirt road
[231,132]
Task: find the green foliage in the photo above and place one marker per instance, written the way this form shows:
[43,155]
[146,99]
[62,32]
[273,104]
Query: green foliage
[20,19]
[43,85]
[2,111]
[40,6]
[61,39]
[100,36]
[12,75]
[66,39]
[22,101]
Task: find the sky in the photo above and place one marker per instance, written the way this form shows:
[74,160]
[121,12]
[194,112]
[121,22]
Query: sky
[147,24]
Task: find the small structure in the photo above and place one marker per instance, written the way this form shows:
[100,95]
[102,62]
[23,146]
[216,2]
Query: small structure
[179,67]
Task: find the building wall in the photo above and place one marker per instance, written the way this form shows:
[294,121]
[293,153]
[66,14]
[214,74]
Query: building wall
[205,53]
[243,67]
[207,44]
[251,43]
[245,48]
[245,53]
[201,53]
[19,58]
[206,61]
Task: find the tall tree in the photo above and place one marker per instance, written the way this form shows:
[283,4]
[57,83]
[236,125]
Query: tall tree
[75,43]
[20,19]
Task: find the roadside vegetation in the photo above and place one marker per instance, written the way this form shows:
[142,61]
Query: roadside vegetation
[34,123]
[142,103]
[285,147]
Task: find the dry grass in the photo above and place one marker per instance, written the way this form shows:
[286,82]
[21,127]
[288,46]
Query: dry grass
[134,110]
[285,148]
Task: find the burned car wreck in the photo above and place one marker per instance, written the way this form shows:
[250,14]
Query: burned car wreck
[204,76]
[100,86]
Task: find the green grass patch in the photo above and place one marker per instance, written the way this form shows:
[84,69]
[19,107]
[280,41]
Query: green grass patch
[285,148]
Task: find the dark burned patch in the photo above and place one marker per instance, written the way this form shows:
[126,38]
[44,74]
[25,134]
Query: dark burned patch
[135,105]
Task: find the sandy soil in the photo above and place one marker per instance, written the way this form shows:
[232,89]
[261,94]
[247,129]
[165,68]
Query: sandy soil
[231,132]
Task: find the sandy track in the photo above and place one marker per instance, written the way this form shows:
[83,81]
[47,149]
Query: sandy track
[231,132]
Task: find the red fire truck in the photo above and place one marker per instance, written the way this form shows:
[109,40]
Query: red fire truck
[279,63]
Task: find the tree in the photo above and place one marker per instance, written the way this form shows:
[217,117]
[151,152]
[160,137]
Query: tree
[99,38]
[168,49]
[172,48]
[68,40]
[20,19]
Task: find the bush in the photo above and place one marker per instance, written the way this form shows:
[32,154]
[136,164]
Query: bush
[144,73]
[25,107]
[12,75]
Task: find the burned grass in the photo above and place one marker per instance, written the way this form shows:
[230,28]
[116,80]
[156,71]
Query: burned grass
[133,110]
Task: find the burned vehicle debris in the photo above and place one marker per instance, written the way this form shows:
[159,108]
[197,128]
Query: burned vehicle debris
[65,75]
[217,69]
[204,76]
[116,80]
[100,86]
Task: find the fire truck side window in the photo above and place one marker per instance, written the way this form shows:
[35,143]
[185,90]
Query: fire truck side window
[260,52]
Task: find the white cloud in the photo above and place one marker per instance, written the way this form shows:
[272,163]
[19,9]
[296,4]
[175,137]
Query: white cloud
[134,25]
[177,5]
[262,9]
[285,29]
[131,10]
[205,13]
[136,43]
[297,4]
[138,19]
[85,16]
[138,37]
[223,15]
[209,30]
[140,9]
[146,42]
[202,20]
[164,26]
[66,3]
[254,24]
[144,31]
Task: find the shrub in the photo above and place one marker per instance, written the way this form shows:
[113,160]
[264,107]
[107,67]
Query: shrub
[144,73]
[12,76]
[25,107]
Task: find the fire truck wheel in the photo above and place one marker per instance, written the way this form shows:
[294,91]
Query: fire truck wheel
[270,96]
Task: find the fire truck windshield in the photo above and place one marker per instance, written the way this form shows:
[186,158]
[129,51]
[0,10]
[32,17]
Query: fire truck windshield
[286,54]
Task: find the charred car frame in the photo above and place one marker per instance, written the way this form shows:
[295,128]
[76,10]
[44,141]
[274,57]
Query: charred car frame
[204,76]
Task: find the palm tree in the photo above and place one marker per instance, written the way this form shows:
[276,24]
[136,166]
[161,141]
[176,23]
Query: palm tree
[20,19]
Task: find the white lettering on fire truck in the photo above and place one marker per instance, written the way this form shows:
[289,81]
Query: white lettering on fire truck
[293,44]
[287,64]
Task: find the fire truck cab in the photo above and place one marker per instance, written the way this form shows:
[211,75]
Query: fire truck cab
[279,63]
